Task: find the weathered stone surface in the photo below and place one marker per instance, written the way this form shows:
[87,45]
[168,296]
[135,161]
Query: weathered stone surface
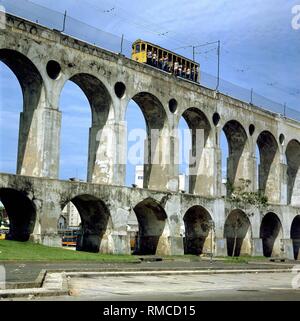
[110,81]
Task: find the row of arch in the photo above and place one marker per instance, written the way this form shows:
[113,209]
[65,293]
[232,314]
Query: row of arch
[198,236]
[102,109]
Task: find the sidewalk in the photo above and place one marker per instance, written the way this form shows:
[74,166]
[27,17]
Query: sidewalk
[29,279]
[29,271]
[32,274]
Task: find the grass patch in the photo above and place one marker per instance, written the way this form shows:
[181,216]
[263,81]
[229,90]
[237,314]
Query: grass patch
[18,251]
[242,259]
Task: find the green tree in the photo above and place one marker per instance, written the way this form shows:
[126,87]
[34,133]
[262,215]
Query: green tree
[241,197]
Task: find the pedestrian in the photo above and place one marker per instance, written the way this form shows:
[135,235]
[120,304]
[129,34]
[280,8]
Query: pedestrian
[180,70]
[176,66]
[154,59]
[149,57]
[165,62]
[197,74]
[184,71]
[161,62]
[188,73]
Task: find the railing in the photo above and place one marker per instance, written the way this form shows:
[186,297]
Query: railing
[78,29]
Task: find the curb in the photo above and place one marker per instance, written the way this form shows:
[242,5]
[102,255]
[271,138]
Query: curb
[170,272]
[52,284]
[27,285]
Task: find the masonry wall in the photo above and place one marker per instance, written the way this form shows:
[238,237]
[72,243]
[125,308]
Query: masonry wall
[44,60]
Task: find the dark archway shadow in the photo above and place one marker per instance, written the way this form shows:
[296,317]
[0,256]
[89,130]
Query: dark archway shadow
[197,222]
[95,218]
[237,227]
[293,165]
[270,231]
[268,149]
[152,220]
[237,142]
[295,236]
[21,212]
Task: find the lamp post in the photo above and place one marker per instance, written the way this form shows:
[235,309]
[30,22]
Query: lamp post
[211,228]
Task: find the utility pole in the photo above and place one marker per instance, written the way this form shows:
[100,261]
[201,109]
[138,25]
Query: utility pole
[122,41]
[251,97]
[203,45]
[219,58]
[64,22]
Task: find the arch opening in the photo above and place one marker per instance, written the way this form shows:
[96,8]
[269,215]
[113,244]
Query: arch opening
[94,223]
[238,234]
[155,162]
[86,112]
[199,233]
[237,140]
[136,136]
[199,158]
[295,236]
[151,219]
[31,84]
[293,172]
[271,235]
[21,212]
[267,170]
[53,69]
[120,90]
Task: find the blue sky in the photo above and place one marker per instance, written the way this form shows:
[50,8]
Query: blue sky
[260,50]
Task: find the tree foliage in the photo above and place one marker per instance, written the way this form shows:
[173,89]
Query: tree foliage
[241,197]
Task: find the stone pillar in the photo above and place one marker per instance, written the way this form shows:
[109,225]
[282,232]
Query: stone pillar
[203,177]
[218,171]
[288,249]
[242,167]
[220,247]
[257,249]
[159,166]
[39,143]
[176,245]
[104,147]
[283,184]
[272,182]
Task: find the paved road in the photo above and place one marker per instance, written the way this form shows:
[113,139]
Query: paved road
[262,286]
[28,271]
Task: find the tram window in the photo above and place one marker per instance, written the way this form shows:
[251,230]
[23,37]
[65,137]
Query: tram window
[143,47]
[137,48]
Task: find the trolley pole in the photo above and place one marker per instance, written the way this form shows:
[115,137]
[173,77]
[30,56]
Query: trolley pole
[64,22]
[219,58]
[122,41]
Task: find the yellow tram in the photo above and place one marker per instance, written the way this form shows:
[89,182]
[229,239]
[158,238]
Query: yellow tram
[168,61]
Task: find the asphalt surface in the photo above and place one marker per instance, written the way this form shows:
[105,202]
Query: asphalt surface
[222,287]
[29,271]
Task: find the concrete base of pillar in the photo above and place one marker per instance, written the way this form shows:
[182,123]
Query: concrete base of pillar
[221,247]
[288,249]
[257,249]
[51,240]
[176,245]
[107,244]
[121,244]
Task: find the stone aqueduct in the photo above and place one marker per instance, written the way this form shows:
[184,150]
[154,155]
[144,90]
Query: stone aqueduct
[170,222]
